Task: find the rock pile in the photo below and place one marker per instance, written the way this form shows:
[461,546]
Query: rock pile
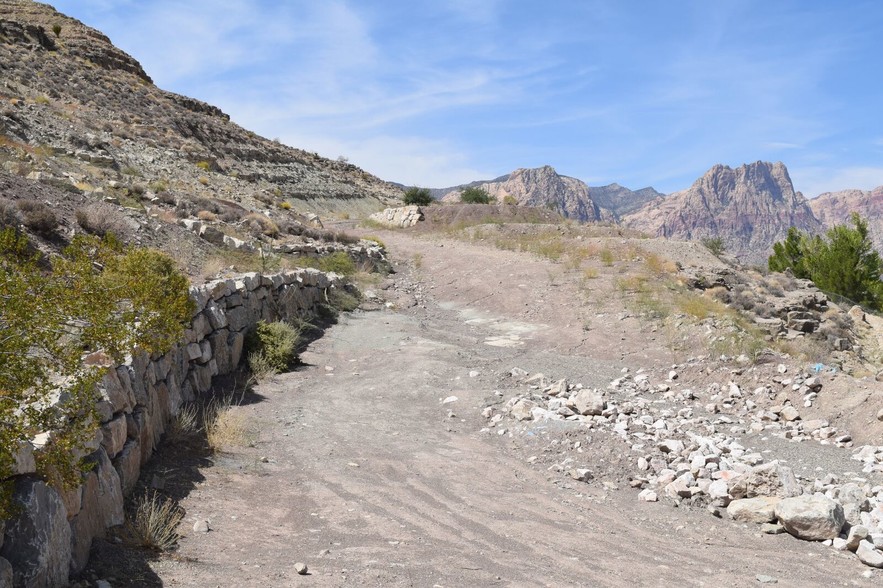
[403,216]
[686,449]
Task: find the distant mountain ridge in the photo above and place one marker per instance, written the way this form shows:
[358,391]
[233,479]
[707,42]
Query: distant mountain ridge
[749,207]
[544,186]
[835,208]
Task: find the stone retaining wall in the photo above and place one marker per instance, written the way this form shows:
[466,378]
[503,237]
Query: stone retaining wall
[52,534]
[403,216]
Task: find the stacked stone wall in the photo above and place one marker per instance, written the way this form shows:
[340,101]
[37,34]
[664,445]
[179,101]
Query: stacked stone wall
[52,532]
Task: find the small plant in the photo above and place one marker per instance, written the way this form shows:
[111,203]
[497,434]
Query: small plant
[475,195]
[56,28]
[158,186]
[343,300]
[99,218]
[510,200]
[276,341]
[258,224]
[204,165]
[285,205]
[155,522]
[38,217]
[205,215]
[203,180]
[715,245]
[41,99]
[184,426]
[225,426]
[260,367]
[376,240]
[418,196]
[607,257]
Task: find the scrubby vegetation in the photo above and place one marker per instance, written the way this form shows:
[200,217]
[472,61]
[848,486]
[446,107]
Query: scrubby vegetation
[842,261]
[474,195]
[98,297]
[273,344]
[418,196]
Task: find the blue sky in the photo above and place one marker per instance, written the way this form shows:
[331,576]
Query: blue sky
[436,93]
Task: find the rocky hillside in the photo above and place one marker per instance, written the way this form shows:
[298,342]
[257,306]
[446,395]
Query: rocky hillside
[542,186]
[620,200]
[750,208]
[77,110]
[834,208]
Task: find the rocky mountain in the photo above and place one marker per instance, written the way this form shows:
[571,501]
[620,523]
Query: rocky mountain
[620,200]
[541,186]
[835,208]
[77,110]
[750,208]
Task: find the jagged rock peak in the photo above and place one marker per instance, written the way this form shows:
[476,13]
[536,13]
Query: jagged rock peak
[749,207]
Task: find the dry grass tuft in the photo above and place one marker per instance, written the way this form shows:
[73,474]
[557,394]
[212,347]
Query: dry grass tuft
[184,426]
[155,522]
[225,426]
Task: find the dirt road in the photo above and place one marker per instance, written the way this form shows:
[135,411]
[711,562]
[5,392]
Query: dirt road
[364,473]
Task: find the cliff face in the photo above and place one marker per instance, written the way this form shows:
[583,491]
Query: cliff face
[835,208]
[750,208]
[77,100]
[542,187]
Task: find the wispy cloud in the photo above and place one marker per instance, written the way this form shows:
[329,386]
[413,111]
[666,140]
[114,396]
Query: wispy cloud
[813,181]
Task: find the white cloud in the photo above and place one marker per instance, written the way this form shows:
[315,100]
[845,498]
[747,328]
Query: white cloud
[408,160]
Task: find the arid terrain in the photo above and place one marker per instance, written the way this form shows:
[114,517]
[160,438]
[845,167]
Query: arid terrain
[374,465]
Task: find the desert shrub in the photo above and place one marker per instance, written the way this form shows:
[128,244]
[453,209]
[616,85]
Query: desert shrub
[99,218]
[418,196]
[205,215]
[167,198]
[260,367]
[715,245]
[258,224]
[276,341]
[285,205]
[343,300]
[204,165]
[338,262]
[154,524]
[38,217]
[56,28]
[158,186]
[203,180]
[184,425]
[8,214]
[99,296]
[475,195]
[510,200]
[375,239]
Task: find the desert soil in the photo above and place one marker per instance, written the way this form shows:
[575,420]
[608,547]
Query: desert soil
[361,471]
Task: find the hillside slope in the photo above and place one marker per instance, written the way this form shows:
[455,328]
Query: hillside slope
[835,208]
[78,109]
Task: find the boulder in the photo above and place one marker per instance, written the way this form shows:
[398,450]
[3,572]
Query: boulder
[761,509]
[5,573]
[853,500]
[814,518]
[37,541]
[869,555]
[587,402]
[521,410]
[769,479]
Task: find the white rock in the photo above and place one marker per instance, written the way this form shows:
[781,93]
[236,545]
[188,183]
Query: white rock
[869,555]
[648,496]
[814,518]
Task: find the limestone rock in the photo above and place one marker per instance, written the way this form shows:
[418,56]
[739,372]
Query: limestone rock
[770,479]
[869,555]
[587,402]
[814,518]
[761,509]
[521,410]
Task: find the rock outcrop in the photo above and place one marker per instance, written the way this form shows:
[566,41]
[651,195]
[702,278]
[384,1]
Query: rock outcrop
[750,208]
[835,208]
[541,187]
[620,200]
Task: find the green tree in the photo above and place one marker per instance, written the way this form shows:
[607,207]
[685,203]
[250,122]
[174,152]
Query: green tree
[843,261]
[418,196]
[475,195]
[715,245]
[98,297]
[790,254]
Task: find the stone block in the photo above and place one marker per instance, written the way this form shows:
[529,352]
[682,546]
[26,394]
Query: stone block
[128,465]
[38,539]
[114,435]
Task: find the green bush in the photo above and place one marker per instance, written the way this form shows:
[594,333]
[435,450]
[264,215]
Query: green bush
[418,196]
[475,196]
[843,261]
[98,297]
[715,245]
[275,344]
